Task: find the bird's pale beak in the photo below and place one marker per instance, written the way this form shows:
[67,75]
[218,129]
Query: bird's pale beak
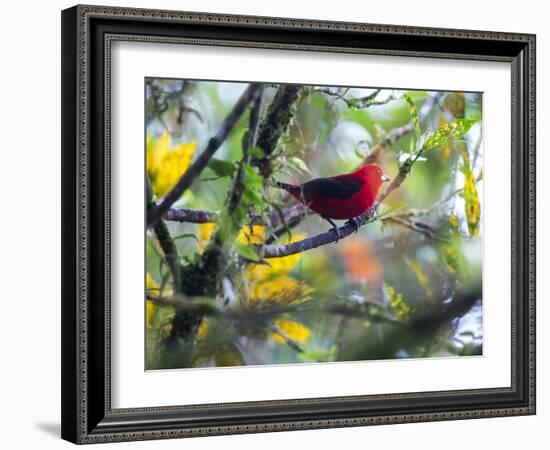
[385,178]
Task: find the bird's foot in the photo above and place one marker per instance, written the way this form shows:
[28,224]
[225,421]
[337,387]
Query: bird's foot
[334,228]
[338,234]
[353,222]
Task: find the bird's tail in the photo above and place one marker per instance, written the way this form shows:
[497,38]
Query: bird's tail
[287,187]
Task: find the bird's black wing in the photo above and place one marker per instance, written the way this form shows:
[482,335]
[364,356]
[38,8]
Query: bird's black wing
[331,187]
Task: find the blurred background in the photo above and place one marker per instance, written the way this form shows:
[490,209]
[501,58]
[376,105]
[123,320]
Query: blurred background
[406,286]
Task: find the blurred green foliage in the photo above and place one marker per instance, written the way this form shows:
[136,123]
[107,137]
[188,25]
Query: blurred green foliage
[393,290]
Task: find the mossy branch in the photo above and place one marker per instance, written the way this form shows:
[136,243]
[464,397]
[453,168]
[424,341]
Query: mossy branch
[166,242]
[275,124]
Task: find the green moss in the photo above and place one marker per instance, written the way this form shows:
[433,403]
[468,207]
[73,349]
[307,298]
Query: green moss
[200,278]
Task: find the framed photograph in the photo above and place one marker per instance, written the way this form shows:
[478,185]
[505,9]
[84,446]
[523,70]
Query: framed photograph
[281,224]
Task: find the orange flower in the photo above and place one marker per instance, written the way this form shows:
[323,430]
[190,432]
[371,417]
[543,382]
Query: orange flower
[360,261]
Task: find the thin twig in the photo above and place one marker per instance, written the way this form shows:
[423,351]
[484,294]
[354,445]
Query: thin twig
[426,211]
[415,225]
[191,215]
[397,133]
[357,102]
[289,341]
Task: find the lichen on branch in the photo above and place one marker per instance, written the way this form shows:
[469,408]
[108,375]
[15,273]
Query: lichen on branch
[276,122]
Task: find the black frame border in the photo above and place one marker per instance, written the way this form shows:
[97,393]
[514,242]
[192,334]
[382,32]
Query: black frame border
[87,33]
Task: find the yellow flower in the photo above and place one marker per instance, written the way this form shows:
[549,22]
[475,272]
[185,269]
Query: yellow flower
[166,164]
[280,289]
[153,289]
[204,234]
[248,235]
[277,266]
[294,330]
[400,307]
[268,283]
[252,234]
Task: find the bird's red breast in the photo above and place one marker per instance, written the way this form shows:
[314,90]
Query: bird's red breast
[340,197]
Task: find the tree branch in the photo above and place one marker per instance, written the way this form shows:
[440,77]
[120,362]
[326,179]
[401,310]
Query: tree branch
[461,304]
[275,124]
[191,215]
[165,240]
[155,212]
[357,102]
[414,225]
[249,141]
[339,308]
[289,341]
[293,215]
[334,235]
[207,216]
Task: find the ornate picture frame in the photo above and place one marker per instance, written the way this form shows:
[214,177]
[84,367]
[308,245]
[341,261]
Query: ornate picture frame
[88,33]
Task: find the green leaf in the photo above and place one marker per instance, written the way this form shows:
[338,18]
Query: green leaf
[252,186]
[257,152]
[448,132]
[222,168]
[414,114]
[239,214]
[319,355]
[253,197]
[247,251]
[252,178]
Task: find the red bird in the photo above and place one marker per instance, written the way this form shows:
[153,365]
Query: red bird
[341,197]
